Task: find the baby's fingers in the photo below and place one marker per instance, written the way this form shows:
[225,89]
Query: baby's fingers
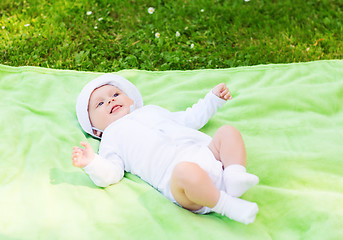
[88,151]
[76,156]
[76,162]
[76,152]
[87,146]
[228,96]
[224,92]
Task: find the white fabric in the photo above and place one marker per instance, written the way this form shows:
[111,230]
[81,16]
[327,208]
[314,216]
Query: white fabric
[150,141]
[236,168]
[83,99]
[237,181]
[236,209]
[104,171]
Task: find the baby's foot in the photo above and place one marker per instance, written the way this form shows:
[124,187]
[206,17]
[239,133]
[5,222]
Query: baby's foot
[236,209]
[237,183]
[242,211]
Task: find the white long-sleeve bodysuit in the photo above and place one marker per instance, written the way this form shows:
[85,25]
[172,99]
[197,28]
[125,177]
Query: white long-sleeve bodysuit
[150,141]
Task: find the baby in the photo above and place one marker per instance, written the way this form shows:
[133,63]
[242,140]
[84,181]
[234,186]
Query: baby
[165,148]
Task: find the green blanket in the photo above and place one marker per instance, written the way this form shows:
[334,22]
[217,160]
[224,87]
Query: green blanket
[290,116]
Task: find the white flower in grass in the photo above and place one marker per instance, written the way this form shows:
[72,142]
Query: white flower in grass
[202,10]
[96,27]
[89,13]
[3,27]
[246,0]
[192,45]
[26,25]
[177,34]
[151,10]
[157,35]
[100,19]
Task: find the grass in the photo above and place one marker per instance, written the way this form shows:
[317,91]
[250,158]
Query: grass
[213,34]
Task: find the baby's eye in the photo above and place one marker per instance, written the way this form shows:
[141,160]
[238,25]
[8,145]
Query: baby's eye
[116,95]
[99,104]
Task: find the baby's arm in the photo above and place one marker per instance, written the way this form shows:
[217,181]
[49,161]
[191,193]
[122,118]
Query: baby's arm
[199,114]
[102,171]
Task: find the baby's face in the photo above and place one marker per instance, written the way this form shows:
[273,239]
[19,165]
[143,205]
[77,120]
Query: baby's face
[106,105]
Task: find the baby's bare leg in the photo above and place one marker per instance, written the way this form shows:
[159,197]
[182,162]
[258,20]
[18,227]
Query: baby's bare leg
[228,147]
[192,188]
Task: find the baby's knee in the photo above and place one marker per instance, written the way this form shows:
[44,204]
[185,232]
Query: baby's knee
[187,173]
[229,131]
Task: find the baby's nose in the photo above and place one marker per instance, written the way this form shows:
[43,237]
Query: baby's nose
[111,100]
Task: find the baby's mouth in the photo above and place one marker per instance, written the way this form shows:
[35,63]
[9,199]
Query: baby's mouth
[115,108]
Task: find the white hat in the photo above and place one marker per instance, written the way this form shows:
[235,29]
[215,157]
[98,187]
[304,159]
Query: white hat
[83,99]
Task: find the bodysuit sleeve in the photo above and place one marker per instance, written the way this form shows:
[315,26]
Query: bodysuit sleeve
[105,171]
[199,114]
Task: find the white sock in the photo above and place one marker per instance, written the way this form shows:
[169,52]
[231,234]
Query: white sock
[236,209]
[237,181]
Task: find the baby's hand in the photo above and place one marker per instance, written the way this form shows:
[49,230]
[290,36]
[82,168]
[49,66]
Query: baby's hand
[222,91]
[82,157]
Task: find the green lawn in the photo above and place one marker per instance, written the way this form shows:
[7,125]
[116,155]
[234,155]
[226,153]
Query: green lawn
[110,35]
